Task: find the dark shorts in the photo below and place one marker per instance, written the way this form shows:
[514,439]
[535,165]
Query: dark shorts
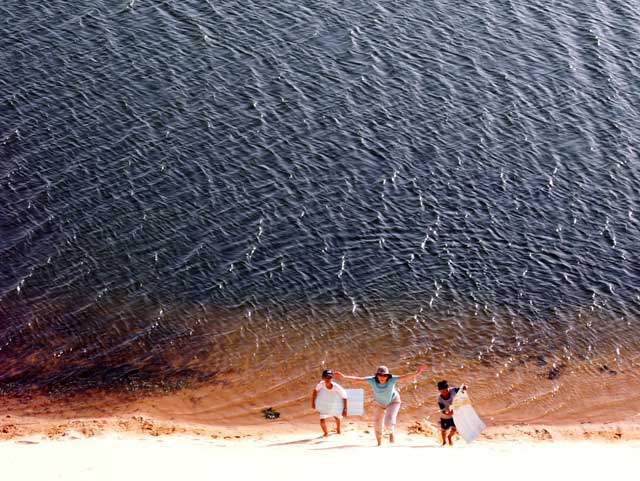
[446,424]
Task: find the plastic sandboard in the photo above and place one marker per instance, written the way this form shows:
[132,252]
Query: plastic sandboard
[330,403]
[468,423]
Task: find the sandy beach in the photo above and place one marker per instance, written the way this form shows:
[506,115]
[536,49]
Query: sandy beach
[101,436]
[139,447]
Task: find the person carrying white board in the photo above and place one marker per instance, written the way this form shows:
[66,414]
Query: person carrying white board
[387,399]
[328,385]
[445,399]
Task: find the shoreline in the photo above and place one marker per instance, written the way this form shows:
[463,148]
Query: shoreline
[20,427]
[209,412]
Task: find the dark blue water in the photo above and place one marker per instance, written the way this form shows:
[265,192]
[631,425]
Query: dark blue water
[173,172]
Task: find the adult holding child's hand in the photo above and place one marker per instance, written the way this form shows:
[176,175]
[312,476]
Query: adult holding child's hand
[387,399]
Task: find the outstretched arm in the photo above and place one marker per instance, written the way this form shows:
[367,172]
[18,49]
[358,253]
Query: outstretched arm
[411,375]
[357,379]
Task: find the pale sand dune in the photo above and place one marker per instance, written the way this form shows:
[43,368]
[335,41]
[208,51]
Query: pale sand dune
[282,453]
[294,457]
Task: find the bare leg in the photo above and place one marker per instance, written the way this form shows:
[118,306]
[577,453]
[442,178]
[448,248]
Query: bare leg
[379,438]
[392,439]
[444,436]
[453,431]
[337,424]
[323,425]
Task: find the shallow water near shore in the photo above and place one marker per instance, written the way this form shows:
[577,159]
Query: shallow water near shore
[202,205]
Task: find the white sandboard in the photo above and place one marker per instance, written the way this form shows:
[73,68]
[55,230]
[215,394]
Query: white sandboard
[468,423]
[330,403]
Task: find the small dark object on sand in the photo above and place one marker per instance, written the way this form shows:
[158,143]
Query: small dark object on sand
[554,373]
[606,369]
[269,413]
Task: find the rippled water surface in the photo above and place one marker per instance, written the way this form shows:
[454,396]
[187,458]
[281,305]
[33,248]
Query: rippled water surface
[193,193]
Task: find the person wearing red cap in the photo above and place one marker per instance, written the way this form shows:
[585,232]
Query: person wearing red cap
[386,397]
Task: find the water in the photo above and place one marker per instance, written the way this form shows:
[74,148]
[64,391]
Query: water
[198,194]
